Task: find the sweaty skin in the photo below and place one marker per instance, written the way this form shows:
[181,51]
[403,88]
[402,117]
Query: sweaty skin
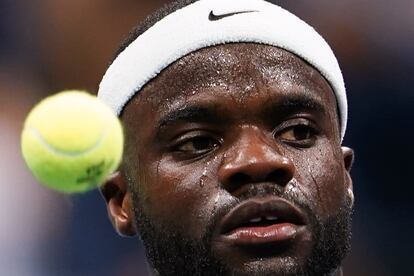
[222,126]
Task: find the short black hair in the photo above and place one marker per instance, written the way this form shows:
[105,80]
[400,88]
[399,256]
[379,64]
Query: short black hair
[150,20]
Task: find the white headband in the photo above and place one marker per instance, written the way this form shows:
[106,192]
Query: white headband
[212,22]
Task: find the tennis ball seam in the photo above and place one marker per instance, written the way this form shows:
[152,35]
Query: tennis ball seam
[50,147]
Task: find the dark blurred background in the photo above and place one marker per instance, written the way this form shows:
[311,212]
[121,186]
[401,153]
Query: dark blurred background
[50,45]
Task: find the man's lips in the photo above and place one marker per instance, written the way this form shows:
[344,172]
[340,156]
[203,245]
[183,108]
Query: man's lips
[262,220]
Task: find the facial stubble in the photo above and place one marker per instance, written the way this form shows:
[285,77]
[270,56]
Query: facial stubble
[170,252]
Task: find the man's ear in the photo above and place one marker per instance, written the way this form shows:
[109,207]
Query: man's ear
[348,156]
[119,204]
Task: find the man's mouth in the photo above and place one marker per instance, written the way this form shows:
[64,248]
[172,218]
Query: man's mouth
[262,221]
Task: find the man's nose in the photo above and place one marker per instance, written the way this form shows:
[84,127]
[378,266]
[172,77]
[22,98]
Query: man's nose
[253,159]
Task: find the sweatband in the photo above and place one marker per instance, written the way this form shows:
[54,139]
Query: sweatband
[213,22]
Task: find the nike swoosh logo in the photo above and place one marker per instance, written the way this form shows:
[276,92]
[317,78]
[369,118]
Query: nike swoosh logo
[213,17]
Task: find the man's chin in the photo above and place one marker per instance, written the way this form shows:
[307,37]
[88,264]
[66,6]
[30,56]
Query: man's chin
[279,265]
[258,257]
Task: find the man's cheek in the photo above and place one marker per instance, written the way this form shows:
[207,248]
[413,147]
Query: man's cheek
[178,198]
[320,175]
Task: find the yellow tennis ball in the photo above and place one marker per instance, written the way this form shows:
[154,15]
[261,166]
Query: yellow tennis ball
[72,141]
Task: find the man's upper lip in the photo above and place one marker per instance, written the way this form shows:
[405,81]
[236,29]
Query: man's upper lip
[261,207]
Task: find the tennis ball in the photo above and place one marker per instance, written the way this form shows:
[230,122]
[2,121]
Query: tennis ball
[72,141]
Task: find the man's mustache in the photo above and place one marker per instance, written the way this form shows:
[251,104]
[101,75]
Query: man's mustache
[294,196]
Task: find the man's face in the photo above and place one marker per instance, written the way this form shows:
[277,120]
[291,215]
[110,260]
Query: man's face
[234,164]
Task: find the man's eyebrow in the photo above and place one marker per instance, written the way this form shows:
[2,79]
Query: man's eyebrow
[290,104]
[190,114]
[210,114]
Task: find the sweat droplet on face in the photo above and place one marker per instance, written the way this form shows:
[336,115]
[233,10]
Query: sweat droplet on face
[216,199]
[203,176]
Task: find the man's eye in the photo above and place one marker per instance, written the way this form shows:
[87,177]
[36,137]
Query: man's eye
[299,135]
[197,145]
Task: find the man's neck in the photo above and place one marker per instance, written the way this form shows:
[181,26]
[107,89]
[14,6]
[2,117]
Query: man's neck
[338,272]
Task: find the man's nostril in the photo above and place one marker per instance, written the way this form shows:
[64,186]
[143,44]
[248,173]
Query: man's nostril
[281,177]
[240,178]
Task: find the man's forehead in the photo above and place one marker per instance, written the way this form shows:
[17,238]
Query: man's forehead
[232,53]
[244,67]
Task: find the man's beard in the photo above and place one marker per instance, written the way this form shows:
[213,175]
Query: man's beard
[169,252]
